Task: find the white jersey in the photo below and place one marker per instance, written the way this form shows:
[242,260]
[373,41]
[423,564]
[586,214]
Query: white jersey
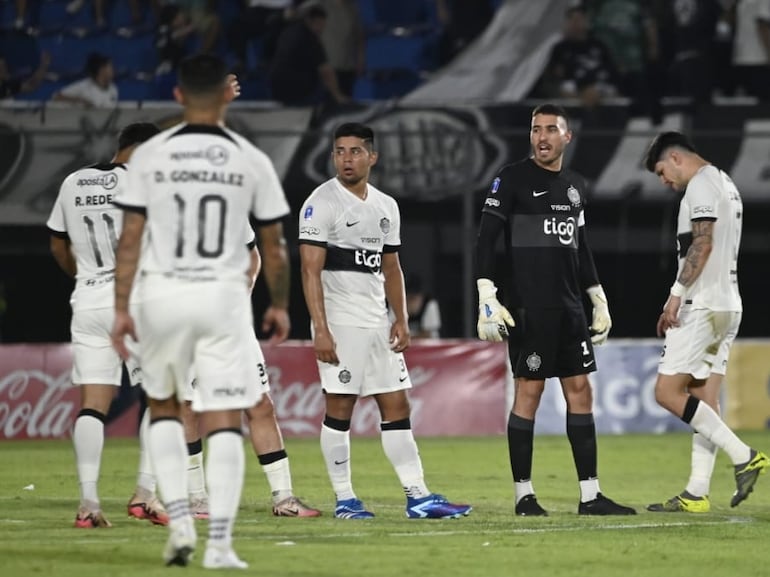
[748,48]
[198,185]
[355,233]
[711,195]
[83,213]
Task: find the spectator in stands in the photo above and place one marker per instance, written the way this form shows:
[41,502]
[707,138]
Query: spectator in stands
[751,48]
[76,5]
[423,309]
[580,65]
[691,26]
[203,16]
[344,41]
[97,89]
[171,38]
[263,20]
[628,29]
[300,73]
[23,20]
[462,22]
[10,86]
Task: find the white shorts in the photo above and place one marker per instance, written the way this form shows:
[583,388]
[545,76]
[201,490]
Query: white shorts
[202,329]
[700,345]
[263,385]
[367,366]
[94,360]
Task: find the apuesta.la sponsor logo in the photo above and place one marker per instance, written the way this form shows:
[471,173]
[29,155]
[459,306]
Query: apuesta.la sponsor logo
[107,181]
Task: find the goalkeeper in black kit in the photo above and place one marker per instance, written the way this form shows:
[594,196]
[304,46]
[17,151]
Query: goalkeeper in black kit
[539,205]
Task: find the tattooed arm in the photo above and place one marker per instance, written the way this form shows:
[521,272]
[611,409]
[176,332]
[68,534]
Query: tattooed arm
[126,262]
[275,265]
[692,267]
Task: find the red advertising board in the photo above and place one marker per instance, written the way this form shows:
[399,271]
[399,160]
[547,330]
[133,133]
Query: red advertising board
[458,389]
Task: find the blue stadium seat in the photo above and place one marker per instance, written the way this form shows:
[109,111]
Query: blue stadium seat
[53,15]
[385,84]
[403,12]
[135,89]
[389,51]
[69,53]
[21,52]
[368,10]
[134,54]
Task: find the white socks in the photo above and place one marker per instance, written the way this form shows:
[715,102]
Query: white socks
[704,455]
[522,489]
[168,454]
[225,466]
[589,489]
[196,478]
[279,478]
[335,446]
[401,450]
[88,439]
[145,479]
[707,422]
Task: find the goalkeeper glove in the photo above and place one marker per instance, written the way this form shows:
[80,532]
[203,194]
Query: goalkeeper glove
[600,327]
[494,318]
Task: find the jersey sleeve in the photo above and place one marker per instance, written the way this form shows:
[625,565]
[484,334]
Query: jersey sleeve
[393,231]
[133,196]
[499,199]
[702,198]
[270,202]
[315,221]
[56,222]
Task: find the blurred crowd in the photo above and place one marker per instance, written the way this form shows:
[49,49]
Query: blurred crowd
[314,51]
[647,49]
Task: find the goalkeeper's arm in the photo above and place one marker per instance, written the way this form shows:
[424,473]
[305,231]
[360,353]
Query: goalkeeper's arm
[494,319]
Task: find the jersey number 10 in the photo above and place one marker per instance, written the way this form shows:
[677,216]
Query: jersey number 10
[206,202]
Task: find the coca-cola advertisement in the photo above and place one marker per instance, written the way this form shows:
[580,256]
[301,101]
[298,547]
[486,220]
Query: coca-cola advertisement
[458,389]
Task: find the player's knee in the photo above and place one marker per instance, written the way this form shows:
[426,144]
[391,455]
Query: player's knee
[264,409]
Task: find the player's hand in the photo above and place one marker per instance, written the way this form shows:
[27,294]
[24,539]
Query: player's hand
[276,320]
[325,347]
[601,322]
[494,318]
[399,336]
[122,327]
[670,315]
[232,88]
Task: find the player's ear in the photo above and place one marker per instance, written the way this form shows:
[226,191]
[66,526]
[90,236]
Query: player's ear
[178,96]
[568,136]
[373,156]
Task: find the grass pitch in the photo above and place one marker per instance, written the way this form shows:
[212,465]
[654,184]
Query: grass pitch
[37,537]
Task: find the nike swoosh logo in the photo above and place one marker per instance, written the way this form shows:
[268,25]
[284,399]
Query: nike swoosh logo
[541,193]
[341,462]
[589,363]
[402,379]
[352,223]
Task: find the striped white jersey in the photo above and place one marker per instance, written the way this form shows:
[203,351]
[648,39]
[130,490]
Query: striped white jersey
[712,195]
[84,214]
[355,234]
[198,185]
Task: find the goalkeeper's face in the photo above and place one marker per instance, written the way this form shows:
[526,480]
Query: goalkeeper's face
[353,159]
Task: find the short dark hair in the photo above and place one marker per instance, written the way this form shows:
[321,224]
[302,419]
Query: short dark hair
[552,109]
[202,74]
[95,62]
[357,129]
[663,142]
[136,133]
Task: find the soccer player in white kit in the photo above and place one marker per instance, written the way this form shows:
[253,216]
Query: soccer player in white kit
[349,235]
[84,228]
[191,188]
[701,317]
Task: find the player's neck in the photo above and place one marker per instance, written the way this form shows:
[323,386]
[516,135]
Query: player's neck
[360,189]
[203,116]
[554,166]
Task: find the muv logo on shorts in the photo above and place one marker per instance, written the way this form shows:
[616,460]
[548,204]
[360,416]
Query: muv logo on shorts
[564,229]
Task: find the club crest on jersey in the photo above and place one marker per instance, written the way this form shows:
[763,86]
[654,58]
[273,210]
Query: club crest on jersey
[385,225]
[533,362]
[495,185]
[344,376]
[573,195]
[308,212]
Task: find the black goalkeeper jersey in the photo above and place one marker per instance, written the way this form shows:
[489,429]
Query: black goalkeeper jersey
[543,211]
